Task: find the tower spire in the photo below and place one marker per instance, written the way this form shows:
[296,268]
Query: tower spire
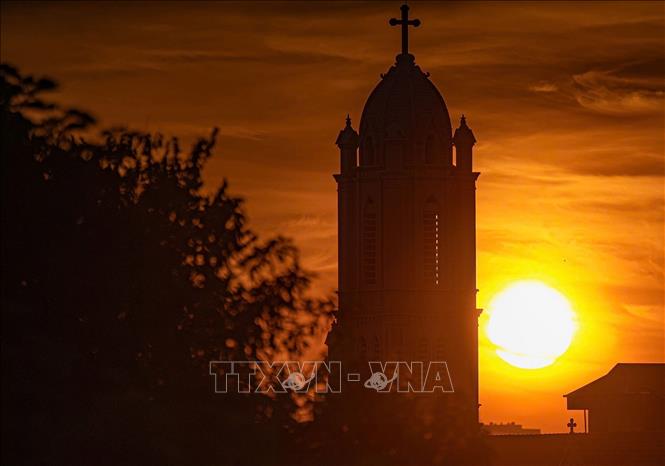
[405,22]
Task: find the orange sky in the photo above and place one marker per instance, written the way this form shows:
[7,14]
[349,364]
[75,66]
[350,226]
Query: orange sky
[566,101]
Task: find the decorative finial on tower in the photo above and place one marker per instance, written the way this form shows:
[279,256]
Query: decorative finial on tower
[348,141]
[464,141]
[405,22]
[463,133]
[348,136]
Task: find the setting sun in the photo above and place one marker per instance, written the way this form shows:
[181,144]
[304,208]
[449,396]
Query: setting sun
[531,324]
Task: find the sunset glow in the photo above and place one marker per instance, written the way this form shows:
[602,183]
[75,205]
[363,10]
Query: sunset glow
[565,99]
[531,324]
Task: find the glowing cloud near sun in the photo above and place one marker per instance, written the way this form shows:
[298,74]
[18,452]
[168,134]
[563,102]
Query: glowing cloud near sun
[531,324]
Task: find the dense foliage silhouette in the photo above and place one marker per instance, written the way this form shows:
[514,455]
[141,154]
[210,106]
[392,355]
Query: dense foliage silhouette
[120,282]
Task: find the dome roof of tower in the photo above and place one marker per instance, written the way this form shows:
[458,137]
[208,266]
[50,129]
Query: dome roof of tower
[406,106]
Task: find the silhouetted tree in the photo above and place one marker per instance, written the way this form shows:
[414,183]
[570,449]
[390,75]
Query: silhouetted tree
[121,280]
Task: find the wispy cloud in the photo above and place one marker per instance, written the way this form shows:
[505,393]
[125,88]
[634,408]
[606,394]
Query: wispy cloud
[617,92]
[544,86]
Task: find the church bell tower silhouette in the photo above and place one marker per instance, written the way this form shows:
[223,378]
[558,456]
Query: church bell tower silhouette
[406,225]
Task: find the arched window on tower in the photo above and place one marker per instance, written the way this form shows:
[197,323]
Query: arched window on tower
[369,243]
[398,343]
[377,347]
[368,152]
[362,347]
[439,350]
[431,241]
[423,350]
[430,149]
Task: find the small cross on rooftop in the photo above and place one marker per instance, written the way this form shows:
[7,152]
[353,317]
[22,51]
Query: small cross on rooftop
[571,425]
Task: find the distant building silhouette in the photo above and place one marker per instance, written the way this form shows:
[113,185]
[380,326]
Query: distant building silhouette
[508,428]
[407,232]
[630,398]
[625,425]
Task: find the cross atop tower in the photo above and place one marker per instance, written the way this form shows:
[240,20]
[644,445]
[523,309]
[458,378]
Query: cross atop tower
[405,22]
